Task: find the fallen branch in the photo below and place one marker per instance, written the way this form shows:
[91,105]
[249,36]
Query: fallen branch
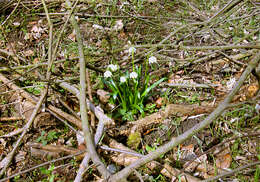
[83,106]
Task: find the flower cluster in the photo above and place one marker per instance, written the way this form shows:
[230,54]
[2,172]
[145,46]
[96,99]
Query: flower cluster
[114,68]
[130,89]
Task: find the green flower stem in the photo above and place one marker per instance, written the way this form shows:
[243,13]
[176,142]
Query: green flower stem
[146,77]
[119,93]
[133,61]
[124,93]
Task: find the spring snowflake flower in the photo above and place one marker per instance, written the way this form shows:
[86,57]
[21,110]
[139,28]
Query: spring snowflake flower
[133,75]
[107,74]
[122,79]
[131,50]
[231,83]
[152,60]
[113,67]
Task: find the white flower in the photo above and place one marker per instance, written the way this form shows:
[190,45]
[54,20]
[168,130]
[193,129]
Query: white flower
[95,26]
[113,67]
[122,79]
[119,25]
[107,74]
[231,83]
[131,50]
[133,75]
[152,60]
[246,32]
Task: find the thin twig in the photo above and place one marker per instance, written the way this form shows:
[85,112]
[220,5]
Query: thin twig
[138,175]
[10,118]
[193,85]
[21,88]
[214,148]
[121,151]
[11,12]
[199,48]
[229,173]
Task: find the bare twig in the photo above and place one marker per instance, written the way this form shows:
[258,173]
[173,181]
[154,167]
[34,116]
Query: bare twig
[90,97]
[85,161]
[229,173]
[138,175]
[33,66]
[10,118]
[13,133]
[193,85]
[214,147]
[199,48]
[12,54]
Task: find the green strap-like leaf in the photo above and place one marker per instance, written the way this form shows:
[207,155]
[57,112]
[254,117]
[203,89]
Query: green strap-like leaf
[151,87]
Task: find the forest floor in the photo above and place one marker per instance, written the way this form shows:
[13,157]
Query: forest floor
[155,70]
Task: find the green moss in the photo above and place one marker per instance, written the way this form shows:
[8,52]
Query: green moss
[134,140]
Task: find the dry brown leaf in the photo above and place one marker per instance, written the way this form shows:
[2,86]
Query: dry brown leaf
[159,102]
[188,147]
[36,60]
[252,90]
[171,172]
[72,36]
[29,53]
[224,161]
